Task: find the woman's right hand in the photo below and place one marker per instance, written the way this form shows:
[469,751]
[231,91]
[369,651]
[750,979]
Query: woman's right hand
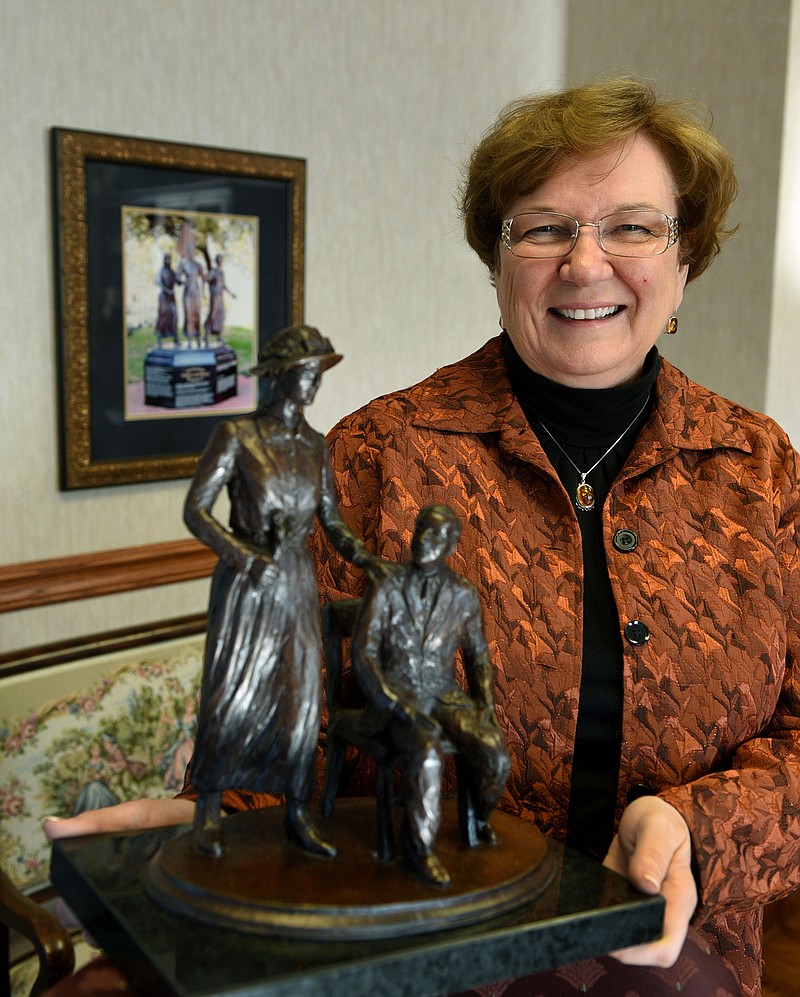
[133,815]
[263,571]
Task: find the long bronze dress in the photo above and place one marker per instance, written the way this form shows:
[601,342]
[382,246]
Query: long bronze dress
[190,272]
[215,320]
[259,711]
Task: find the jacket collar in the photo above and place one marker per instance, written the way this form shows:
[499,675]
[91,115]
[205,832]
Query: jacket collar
[474,396]
[471,396]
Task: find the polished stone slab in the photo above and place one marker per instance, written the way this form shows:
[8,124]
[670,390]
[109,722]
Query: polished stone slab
[584,911]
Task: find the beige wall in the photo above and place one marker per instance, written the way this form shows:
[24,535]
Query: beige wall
[784,353]
[383,99]
[731,55]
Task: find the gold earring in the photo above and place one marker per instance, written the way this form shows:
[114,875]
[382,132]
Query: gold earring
[501,324]
[672,326]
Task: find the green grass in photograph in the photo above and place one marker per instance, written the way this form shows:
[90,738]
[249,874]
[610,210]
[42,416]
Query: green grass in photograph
[143,339]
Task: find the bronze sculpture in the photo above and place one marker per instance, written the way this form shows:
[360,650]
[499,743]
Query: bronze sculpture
[191,275]
[167,319]
[410,626]
[215,320]
[259,712]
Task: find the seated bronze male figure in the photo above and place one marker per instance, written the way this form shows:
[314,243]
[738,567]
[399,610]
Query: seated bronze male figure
[411,624]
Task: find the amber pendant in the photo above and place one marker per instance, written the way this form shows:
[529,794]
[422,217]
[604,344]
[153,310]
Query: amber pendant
[584,496]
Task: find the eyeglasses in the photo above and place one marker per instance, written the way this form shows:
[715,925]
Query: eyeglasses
[541,235]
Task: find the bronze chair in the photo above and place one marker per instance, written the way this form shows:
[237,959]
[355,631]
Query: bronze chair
[345,728]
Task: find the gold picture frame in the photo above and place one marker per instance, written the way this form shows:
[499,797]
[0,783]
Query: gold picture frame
[101,181]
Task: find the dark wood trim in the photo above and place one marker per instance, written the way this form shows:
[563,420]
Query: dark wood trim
[30,659]
[84,576]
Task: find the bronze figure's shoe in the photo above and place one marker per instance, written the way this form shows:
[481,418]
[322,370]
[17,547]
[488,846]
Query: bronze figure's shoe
[427,869]
[300,831]
[485,832]
[209,840]
[208,825]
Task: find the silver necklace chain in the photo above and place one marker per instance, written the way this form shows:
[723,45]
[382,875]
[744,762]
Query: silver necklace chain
[584,495]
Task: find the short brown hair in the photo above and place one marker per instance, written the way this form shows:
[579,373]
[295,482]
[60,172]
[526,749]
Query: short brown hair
[534,135]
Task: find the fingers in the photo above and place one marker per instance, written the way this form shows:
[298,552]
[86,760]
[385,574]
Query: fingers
[680,893]
[134,815]
[264,571]
[652,837]
[377,569]
[617,861]
[263,574]
[653,849]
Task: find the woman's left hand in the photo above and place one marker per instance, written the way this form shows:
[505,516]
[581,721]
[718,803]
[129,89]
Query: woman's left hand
[653,849]
[377,569]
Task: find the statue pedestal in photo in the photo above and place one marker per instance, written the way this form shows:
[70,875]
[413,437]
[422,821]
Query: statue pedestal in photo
[189,378]
[576,909]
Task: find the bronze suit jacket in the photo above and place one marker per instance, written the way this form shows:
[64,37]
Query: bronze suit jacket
[712,698]
[412,651]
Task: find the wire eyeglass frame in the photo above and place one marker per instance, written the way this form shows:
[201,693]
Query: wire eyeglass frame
[541,253]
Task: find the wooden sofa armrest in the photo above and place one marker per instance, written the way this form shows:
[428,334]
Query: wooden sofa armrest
[49,937]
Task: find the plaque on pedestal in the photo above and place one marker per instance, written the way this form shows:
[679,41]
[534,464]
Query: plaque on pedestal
[189,378]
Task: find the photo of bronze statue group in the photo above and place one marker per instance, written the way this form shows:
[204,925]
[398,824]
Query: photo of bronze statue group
[191,276]
[190,334]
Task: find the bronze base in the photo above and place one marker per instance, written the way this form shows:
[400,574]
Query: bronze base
[263,884]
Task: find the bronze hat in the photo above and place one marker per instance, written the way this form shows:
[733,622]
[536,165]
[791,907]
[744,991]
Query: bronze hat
[297,344]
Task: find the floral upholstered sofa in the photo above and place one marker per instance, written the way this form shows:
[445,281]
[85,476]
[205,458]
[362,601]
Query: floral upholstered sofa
[88,734]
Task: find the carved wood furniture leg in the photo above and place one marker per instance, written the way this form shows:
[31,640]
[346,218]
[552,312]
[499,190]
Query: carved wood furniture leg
[49,937]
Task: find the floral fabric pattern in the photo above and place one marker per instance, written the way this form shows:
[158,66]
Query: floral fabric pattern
[128,736]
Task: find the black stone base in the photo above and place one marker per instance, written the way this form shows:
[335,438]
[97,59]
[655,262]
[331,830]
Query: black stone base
[189,378]
[585,911]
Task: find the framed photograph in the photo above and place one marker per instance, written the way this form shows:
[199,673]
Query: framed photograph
[174,263]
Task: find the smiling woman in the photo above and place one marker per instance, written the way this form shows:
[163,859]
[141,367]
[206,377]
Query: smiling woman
[585,317]
[634,538]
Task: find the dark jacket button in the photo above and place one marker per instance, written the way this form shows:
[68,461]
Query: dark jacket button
[639,789]
[636,633]
[625,541]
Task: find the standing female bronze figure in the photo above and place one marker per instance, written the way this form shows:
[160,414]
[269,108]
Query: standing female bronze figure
[259,710]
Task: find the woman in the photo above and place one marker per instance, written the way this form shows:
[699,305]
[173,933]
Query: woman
[258,723]
[215,320]
[190,273]
[632,535]
[167,318]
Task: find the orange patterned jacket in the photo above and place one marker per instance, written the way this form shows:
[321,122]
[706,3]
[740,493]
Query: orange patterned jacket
[712,700]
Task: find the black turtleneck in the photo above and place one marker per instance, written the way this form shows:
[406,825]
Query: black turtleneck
[586,422]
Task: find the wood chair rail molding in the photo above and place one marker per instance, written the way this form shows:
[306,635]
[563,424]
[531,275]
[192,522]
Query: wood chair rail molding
[29,584]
